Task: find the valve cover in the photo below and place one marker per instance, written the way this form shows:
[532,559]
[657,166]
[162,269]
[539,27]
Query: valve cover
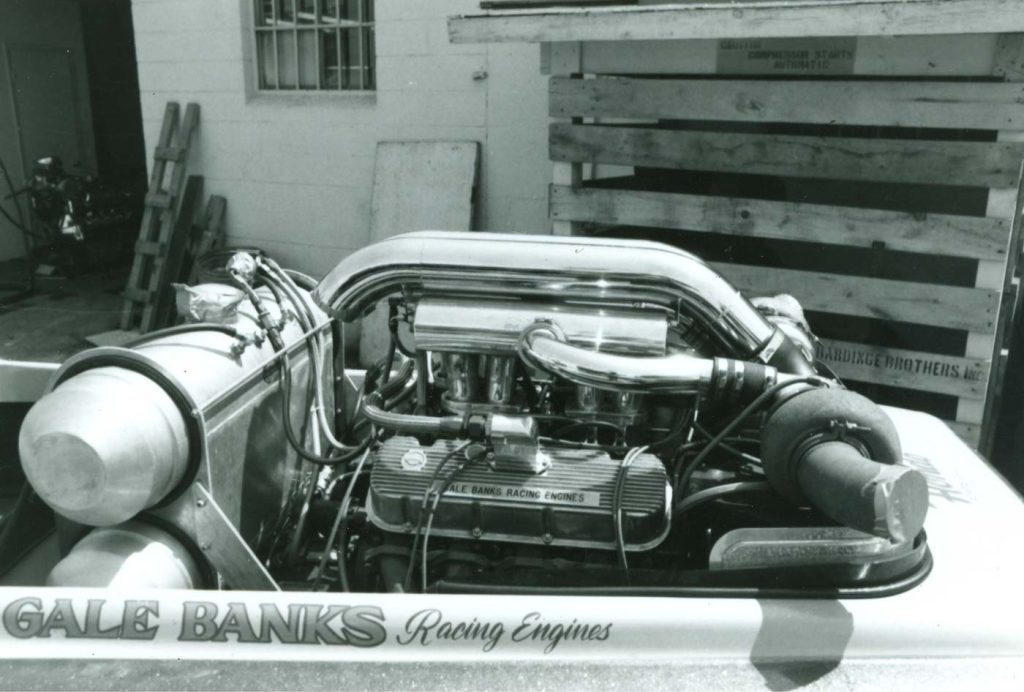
[570,504]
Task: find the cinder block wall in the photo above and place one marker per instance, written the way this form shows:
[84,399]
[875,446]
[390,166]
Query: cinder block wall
[297,168]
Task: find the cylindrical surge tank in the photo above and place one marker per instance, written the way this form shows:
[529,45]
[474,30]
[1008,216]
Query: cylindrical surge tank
[124,455]
[109,442]
[133,555]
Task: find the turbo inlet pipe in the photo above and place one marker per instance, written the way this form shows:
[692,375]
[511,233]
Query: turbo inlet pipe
[543,345]
[837,451]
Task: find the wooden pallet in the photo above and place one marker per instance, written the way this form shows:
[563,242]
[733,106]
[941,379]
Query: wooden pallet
[890,209]
[207,235]
[149,271]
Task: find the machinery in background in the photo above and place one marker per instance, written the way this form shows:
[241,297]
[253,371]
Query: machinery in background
[78,223]
[552,415]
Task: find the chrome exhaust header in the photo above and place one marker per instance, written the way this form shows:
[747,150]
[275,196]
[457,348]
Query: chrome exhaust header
[599,272]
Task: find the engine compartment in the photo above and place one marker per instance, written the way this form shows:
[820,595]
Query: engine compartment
[549,415]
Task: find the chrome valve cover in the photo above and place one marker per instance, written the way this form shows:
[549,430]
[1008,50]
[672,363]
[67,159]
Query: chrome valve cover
[569,505]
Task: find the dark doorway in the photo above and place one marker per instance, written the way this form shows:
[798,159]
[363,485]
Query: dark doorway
[71,142]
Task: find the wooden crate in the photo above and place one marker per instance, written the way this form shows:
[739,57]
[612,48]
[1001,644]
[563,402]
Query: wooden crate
[871,167]
[890,209]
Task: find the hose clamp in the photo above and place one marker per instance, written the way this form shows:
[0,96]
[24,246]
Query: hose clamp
[836,431]
[774,344]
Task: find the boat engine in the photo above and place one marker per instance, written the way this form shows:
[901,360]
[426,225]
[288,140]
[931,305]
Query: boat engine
[545,415]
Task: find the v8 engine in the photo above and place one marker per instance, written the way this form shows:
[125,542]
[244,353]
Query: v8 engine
[544,415]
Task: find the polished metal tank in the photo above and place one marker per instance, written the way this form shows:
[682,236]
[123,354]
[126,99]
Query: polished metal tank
[127,429]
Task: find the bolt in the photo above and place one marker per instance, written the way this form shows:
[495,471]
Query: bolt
[200,503]
[204,546]
[477,532]
[547,538]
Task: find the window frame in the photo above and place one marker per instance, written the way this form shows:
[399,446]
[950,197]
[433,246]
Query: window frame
[364,28]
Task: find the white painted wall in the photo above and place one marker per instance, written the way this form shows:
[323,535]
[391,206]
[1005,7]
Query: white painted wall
[297,169]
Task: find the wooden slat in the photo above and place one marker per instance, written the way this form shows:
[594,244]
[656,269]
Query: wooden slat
[208,235]
[170,153]
[138,295]
[565,60]
[986,164]
[150,247]
[742,20]
[964,236]
[910,56]
[978,105]
[973,309]
[160,200]
[1008,62]
[167,129]
[926,372]
[518,4]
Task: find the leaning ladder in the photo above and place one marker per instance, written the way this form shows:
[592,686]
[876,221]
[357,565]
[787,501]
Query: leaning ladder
[158,218]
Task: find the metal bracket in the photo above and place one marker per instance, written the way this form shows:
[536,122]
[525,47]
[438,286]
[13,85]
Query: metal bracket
[224,547]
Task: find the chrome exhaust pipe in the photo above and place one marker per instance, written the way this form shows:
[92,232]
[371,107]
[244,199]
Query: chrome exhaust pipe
[600,272]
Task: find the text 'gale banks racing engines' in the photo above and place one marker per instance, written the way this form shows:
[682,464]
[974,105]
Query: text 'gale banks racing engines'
[549,416]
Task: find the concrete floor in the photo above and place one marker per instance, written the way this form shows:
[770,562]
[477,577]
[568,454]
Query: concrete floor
[51,323]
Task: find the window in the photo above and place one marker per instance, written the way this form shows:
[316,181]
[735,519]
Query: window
[316,45]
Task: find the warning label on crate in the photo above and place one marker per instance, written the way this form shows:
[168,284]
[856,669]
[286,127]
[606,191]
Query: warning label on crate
[554,496]
[818,56]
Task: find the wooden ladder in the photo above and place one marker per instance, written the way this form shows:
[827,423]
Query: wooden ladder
[148,272]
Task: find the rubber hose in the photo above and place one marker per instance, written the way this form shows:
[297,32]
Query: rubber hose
[839,452]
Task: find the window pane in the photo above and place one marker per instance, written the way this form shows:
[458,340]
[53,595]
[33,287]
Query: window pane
[307,11]
[350,10]
[328,11]
[368,59]
[329,59]
[307,59]
[286,65]
[350,66]
[315,44]
[286,11]
[264,12]
[264,58]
